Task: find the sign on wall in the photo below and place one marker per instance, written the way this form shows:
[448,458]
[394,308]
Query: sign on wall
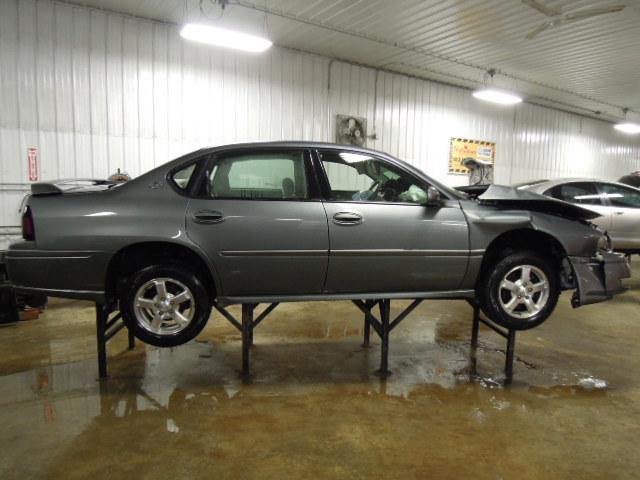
[32,164]
[462,148]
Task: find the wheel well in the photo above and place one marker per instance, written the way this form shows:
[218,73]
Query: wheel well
[522,239]
[134,257]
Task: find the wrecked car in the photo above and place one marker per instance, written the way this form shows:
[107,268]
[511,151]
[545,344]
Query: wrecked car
[299,221]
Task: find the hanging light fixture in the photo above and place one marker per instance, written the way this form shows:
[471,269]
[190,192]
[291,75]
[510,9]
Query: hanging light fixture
[495,95]
[625,126]
[222,37]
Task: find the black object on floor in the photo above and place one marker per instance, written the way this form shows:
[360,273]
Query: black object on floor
[8,306]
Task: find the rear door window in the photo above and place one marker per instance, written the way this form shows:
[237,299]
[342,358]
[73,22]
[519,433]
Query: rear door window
[580,193]
[260,176]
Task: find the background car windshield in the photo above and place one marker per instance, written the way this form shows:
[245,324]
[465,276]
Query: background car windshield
[274,176]
[361,177]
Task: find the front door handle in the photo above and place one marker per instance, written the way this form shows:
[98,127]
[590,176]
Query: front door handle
[619,213]
[347,218]
[208,216]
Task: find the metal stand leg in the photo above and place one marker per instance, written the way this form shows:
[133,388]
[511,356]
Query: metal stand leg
[132,339]
[385,308]
[366,342]
[101,328]
[106,329]
[509,335]
[383,326]
[473,351]
[246,326]
[247,329]
[508,363]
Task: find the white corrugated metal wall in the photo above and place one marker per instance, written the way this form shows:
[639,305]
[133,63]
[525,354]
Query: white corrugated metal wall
[97,91]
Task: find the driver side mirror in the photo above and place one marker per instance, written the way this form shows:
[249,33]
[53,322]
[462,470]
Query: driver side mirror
[433,197]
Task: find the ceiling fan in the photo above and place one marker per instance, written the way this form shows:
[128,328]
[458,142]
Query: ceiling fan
[558,18]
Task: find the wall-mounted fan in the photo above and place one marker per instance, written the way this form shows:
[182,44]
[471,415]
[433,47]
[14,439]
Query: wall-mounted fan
[480,171]
[351,130]
[558,18]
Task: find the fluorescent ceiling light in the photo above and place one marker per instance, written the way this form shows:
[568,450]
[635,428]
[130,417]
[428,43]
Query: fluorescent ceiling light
[628,127]
[222,37]
[497,96]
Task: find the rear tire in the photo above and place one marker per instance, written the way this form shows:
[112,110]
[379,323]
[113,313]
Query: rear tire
[520,291]
[165,305]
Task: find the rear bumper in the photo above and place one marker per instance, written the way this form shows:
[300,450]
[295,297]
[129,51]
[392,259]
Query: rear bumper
[598,278]
[56,273]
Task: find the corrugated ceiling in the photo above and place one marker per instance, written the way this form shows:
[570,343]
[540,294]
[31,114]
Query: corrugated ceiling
[590,65]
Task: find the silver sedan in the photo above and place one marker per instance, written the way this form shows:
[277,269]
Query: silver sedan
[618,204]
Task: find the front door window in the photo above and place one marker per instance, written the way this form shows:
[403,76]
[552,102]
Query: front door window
[362,178]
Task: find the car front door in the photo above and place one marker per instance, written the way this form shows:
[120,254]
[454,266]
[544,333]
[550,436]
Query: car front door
[624,203]
[383,238]
[261,222]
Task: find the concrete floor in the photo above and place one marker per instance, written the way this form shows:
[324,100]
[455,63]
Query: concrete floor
[314,408]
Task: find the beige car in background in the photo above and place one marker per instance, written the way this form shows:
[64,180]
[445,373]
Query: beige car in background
[619,205]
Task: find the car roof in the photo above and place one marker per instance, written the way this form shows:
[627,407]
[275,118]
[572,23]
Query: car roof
[294,144]
[542,186]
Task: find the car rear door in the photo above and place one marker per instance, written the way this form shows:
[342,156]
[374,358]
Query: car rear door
[260,220]
[383,238]
[624,203]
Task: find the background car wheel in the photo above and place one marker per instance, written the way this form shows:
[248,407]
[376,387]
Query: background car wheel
[165,305]
[520,291]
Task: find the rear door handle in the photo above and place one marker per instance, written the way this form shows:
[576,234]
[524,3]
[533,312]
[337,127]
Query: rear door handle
[208,216]
[347,218]
[619,213]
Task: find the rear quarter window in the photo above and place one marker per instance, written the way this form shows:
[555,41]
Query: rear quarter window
[182,177]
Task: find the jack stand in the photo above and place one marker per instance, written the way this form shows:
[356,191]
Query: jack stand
[509,334]
[246,327]
[369,304]
[106,329]
[383,326]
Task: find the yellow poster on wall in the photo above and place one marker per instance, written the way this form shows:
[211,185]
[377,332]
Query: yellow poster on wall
[461,148]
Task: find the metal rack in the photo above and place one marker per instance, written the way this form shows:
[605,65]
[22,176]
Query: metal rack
[107,326]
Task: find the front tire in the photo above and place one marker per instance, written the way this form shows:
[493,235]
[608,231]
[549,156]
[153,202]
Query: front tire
[520,291]
[165,305]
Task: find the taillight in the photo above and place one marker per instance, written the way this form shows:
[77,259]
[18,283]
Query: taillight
[28,231]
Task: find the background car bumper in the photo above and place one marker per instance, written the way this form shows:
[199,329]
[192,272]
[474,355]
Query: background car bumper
[599,278]
[68,274]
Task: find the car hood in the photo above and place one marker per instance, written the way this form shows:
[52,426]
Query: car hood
[510,197]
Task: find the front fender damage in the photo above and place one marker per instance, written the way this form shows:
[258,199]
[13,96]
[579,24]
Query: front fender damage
[598,278]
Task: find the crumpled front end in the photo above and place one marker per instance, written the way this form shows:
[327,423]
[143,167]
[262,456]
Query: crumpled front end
[598,278]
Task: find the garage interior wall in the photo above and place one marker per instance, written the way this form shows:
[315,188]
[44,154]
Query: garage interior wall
[97,91]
